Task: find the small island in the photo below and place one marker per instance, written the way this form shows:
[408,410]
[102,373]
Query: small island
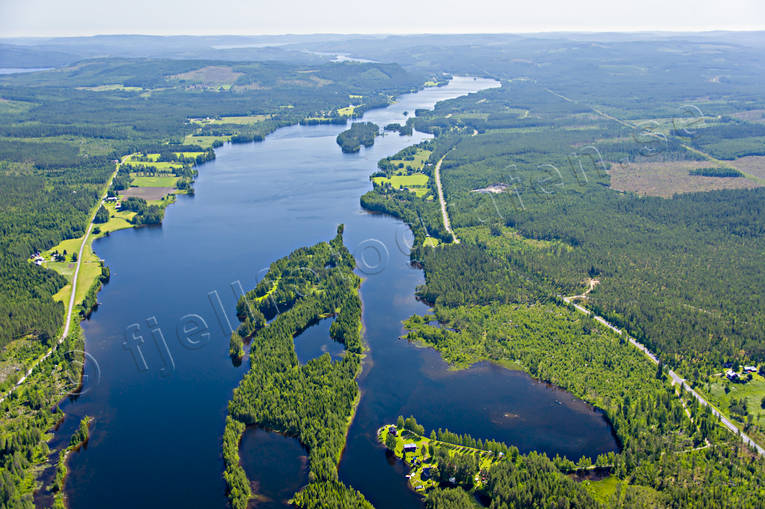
[360,133]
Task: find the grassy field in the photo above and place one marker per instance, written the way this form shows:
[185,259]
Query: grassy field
[753,392]
[416,183]
[417,164]
[347,111]
[239,120]
[8,107]
[90,268]
[604,489]
[118,220]
[156,181]
[204,141]
[112,88]
[160,165]
[150,194]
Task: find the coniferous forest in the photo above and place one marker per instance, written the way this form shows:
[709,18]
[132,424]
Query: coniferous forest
[598,197]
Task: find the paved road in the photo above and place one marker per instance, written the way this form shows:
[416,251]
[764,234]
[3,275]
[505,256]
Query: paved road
[675,377]
[447,224]
[69,311]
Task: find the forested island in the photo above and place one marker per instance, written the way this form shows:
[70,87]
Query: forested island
[313,402]
[360,133]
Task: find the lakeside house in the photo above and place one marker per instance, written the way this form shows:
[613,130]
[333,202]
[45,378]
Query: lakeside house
[410,447]
[392,430]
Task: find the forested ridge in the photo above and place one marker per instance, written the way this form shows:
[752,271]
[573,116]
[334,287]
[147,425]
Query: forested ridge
[313,402]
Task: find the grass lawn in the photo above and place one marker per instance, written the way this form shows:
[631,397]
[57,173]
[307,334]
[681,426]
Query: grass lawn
[156,181]
[430,241]
[203,141]
[416,183]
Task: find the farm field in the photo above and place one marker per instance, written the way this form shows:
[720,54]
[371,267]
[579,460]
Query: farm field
[148,193]
[416,183]
[154,181]
[235,120]
[204,141]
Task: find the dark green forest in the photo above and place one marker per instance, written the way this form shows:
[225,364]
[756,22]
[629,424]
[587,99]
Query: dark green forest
[528,193]
[313,402]
[360,133]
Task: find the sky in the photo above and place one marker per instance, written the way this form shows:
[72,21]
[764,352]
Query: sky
[21,18]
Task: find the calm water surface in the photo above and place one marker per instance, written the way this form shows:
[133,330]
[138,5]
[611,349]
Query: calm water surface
[157,434]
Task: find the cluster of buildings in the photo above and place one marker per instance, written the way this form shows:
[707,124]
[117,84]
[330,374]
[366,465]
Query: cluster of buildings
[734,376]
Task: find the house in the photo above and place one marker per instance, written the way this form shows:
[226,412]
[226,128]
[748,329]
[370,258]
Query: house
[750,369]
[112,198]
[732,375]
[392,430]
[410,447]
[425,475]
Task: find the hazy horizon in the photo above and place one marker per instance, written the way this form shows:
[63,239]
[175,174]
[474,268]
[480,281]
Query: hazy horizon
[44,18]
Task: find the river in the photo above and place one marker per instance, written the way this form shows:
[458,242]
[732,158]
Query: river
[156,439]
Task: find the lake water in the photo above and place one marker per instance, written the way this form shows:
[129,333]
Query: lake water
[156,439]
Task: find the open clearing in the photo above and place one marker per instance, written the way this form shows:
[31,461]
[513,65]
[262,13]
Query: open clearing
[753,392]
[239,120]
[668,178]
[209,76]
[203,141]
[155,181]
[148,193]
[754,165]
[416,183]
